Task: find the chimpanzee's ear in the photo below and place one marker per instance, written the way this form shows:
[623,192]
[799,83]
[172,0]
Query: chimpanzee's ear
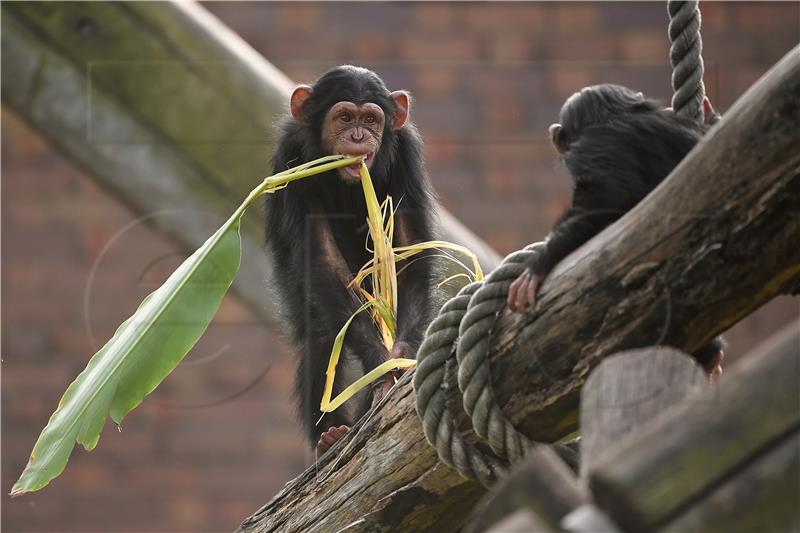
[403,102]
[555,137]
[298,100]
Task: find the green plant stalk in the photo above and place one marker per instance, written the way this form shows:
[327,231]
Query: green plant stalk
[151,343]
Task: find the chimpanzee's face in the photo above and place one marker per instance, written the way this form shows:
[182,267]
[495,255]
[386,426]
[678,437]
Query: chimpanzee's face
[352,129]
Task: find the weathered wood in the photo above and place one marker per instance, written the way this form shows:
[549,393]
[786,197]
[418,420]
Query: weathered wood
[165,106]
[588,519]
[109,91]
[626,392]
[520,522]
[542,484]
[764,497]
[698,445]
[652,277]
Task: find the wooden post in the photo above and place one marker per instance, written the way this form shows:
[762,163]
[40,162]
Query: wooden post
[626,392]
[714,434]
[714,242]
[762,496]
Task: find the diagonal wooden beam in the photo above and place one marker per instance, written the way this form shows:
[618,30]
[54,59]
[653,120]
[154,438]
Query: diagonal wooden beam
[165,106]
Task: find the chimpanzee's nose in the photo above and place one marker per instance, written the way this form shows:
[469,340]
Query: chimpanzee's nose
[357,135]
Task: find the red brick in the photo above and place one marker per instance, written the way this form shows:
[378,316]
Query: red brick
[503,113]
[418,47]
[527,18]
[298,18]
[436,81]
[434,17]
[510,48]
[644,46]
[372,47]
[574,17]
[566,80]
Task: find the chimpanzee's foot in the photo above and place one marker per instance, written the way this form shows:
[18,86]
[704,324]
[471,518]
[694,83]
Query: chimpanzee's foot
[327,439]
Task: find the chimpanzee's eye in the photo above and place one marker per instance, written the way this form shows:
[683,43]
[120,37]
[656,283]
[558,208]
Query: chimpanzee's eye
[345,117]
[370,119]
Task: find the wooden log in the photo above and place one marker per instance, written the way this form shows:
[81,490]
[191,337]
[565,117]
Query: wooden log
[709,438]
[543,485]
[764,496]
[166,107]
[75,73]
[714,242]
[626,392]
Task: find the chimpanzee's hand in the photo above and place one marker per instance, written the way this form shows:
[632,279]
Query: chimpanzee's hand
[381,388]
[522,292]
[327,439]
[400,350]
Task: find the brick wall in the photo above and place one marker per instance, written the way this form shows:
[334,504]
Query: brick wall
[487,80]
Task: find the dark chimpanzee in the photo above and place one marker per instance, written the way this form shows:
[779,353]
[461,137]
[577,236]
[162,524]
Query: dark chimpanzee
[317,233]
[618,146]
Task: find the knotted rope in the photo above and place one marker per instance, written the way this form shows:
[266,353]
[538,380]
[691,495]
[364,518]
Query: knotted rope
[685,56]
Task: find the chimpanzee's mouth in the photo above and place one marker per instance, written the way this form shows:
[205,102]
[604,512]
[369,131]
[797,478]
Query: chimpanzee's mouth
[354,171]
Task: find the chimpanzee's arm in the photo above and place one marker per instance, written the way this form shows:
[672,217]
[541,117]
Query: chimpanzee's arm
[415,283]
[313,276]
[575,228]
[328,280]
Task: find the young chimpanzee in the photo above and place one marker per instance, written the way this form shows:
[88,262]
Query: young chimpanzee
[317,234]
[618,146]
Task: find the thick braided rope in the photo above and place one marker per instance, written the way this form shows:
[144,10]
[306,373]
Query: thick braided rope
[474,377]
[685,56]
[432,358]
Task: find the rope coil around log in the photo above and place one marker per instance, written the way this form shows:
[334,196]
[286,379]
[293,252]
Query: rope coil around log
[470,315]
[685,56]
[429,385]
[474,378]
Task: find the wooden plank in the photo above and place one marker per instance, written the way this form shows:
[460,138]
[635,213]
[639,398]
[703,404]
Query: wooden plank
[165,106]
[715,433]
[542,485]
[626,392]
[764,496]
[733,248]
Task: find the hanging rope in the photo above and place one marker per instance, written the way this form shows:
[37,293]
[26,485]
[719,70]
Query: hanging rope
[685,56]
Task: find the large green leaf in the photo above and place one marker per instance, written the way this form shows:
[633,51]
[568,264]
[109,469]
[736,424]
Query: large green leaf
[142,352]
[151,343]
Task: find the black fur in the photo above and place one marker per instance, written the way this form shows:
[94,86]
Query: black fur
[617,147]
[314,299]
